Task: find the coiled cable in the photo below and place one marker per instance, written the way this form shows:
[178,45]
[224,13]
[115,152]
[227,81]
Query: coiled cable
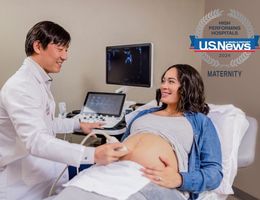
[109,139]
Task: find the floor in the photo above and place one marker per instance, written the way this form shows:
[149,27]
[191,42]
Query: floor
[232,198]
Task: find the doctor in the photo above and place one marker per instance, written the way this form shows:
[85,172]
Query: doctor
[30,155]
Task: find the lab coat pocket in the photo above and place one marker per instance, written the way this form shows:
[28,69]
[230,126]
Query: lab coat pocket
[36,170]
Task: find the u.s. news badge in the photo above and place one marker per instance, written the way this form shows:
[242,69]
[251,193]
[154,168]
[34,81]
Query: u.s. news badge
[224,39]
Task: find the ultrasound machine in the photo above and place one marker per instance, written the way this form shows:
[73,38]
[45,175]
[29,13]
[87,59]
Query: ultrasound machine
[103,107]
[126,65]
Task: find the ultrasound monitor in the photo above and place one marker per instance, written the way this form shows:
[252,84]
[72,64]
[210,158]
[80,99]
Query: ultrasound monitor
[103,103]
[129,65]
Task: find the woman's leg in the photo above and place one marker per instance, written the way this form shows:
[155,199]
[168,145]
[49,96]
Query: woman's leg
[149,192]
[76,193]
[153,191]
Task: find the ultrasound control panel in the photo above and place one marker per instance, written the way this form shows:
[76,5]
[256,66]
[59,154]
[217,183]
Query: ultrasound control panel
[109,121]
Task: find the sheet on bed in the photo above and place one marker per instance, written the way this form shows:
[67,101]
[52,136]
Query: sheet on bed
[117,180]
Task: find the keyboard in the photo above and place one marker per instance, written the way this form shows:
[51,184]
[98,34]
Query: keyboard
[109,121]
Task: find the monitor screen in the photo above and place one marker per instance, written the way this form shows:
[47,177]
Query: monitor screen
[129,65]
[103,103]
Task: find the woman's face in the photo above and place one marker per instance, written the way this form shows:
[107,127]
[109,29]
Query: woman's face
[169,87]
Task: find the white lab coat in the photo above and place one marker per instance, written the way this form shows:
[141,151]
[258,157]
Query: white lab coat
[30,155]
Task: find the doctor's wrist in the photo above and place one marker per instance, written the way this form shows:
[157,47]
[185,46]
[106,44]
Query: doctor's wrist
[88,155]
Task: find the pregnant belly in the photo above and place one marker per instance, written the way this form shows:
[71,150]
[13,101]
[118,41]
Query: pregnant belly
[147,148]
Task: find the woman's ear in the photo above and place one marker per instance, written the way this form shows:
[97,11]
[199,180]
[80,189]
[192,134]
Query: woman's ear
[37,46]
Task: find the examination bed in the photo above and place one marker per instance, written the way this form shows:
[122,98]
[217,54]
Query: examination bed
[237,133]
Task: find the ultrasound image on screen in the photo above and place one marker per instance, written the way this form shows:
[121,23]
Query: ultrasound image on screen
[104,103]
[129,65]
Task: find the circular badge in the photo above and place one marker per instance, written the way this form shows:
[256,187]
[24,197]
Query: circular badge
[224,46]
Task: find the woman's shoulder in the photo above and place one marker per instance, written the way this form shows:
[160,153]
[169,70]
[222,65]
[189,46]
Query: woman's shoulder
[196,114]
[200,122]
[198,117]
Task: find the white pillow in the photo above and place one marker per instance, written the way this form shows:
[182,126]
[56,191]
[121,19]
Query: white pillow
[231,125]
[131,115]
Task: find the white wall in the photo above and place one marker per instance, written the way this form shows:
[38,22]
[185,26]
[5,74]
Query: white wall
[93,25]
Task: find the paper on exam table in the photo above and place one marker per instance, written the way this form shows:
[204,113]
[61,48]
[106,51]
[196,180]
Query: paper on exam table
[117,180]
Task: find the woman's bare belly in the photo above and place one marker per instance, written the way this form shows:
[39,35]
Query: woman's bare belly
[146,148]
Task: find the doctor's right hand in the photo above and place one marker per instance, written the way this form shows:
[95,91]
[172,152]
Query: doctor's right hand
[88,127]
[108,153]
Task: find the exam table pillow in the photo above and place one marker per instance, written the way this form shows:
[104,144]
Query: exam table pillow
[231,125]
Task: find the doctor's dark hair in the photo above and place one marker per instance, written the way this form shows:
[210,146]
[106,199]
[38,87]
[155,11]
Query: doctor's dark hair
[46,32]
[191,90]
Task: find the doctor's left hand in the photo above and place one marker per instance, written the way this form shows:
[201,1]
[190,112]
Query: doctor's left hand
[107,153]
[165,177]
[87,127]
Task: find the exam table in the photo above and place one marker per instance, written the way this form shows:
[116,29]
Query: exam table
[237,133]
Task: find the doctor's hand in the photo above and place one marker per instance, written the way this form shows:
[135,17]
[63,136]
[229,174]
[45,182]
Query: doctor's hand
[87,127]
[108,153]
[165,177]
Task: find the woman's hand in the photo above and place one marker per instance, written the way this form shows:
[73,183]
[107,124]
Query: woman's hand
[166,177]
[87,127]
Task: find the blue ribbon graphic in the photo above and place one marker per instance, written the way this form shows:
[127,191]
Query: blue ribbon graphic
[204,43]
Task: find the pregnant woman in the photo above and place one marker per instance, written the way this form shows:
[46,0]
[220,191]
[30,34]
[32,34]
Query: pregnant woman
[175,146]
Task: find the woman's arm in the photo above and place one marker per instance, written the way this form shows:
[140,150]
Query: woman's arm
[206,173]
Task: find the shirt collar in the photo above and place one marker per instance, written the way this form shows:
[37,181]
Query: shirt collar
[39,72]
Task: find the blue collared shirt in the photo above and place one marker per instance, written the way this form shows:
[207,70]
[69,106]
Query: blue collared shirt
[204,167]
